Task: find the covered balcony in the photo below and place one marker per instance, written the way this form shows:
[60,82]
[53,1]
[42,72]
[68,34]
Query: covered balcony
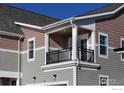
[70,44]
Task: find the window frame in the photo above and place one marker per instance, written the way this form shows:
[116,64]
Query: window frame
[122,39]
[106,76]
[31,59]
[100,55]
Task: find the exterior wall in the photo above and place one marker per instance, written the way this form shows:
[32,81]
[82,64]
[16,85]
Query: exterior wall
[57,40]
[8,59]
[112,66]
[87,77]
[7,42]
[29,33]
[33,69]
[114,28]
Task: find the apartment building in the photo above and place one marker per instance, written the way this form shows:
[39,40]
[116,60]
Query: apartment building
[82,50]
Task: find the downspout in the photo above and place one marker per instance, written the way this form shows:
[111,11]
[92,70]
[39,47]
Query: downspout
[19,63]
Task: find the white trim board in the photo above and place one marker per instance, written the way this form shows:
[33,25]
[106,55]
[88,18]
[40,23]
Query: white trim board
[23,52]
[8,50]
[9,74]
[48,83]
[58,64]
[57,69]
[28,25]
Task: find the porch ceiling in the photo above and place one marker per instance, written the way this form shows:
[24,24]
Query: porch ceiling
[69,31]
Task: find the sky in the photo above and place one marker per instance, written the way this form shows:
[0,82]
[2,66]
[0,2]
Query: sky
[59,10]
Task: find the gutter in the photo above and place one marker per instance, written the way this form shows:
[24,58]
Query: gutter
[28,25]
[101,14]
[11,34]
[78,18]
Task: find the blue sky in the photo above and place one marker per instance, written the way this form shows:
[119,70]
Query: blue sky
[59,10]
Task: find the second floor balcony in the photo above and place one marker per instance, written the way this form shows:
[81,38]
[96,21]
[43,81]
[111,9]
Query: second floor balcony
[70,44]
[85,55]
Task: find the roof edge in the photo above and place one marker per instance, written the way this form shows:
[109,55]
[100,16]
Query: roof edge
[11,34]
[101,14]
[82,17]
[68,20]
[28,25]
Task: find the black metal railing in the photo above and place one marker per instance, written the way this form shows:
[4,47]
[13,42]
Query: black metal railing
[86,55]
[59,56]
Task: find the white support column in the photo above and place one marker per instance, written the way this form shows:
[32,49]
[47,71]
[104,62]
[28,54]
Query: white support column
[94,43]
[74,42]
[46,45]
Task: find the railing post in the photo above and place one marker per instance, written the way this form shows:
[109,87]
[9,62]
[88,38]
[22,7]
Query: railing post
[58,56]
[93,56]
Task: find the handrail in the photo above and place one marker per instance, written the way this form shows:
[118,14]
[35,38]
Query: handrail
[66,54]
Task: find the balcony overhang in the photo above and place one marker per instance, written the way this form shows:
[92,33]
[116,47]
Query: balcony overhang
[89,65]
[70,64]
[58,65]
[119,50]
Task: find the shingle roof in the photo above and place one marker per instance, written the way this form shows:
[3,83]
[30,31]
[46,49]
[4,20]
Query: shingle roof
[107,8]
[9,14]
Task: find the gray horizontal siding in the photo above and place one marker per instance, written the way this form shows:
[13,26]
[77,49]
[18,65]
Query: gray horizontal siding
[33,69]
[113,66]
[87,77]
[8,61]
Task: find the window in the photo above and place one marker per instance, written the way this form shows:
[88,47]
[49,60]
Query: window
[31,49]
[122,46]
[103,45]
[103,80]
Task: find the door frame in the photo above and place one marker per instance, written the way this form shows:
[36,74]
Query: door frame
[84,36]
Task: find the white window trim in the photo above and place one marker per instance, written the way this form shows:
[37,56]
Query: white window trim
[31,39]
[122,59]
[102,56]
[107,76]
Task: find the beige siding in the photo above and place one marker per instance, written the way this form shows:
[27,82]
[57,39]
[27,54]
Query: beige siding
[29,33]
[114,28]
[7,42]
